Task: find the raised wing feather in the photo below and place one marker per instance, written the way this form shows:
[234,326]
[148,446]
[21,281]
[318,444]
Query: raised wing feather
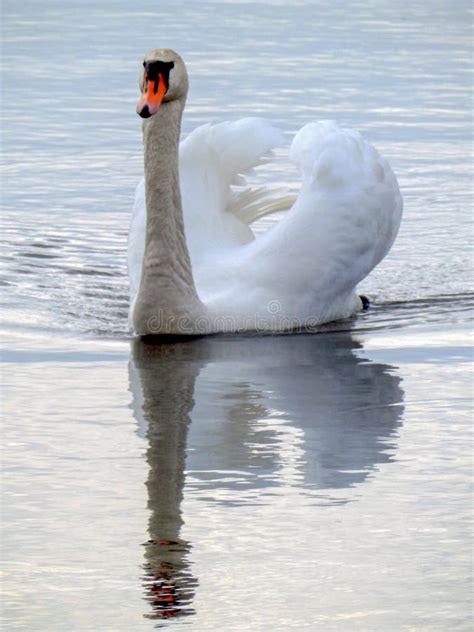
[217,201]
[342,224]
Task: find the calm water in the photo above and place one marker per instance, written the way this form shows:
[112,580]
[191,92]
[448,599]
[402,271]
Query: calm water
[233,483]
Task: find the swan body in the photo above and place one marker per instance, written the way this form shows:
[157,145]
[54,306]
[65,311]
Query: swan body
[300,273]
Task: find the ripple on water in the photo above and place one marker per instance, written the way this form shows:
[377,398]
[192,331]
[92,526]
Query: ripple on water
[323,481]
[88,288]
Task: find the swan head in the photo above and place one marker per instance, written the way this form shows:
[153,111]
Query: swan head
[163,78]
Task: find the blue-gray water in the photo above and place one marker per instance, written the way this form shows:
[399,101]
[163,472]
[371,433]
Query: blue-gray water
[251,483]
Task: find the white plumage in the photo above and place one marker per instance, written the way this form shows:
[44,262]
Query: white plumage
[305,268]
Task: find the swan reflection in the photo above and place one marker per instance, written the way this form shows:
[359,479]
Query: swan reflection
[268,413]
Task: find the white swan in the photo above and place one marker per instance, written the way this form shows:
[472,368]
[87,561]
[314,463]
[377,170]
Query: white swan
[195,266]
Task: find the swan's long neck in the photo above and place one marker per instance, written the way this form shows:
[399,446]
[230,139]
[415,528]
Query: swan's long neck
[167,301]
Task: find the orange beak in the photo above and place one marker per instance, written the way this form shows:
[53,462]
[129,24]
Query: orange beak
[152,97]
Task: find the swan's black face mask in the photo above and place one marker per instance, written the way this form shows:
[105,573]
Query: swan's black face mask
[157,77]
[154,69]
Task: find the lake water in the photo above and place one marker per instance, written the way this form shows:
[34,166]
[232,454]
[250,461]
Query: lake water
[311,482]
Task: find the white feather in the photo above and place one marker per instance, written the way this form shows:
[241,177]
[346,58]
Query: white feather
[307,266]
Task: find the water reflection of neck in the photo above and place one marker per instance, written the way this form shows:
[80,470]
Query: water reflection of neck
[167,401]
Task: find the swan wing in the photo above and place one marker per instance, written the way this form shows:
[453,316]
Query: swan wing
[343,223]
[218,203]
[351,192]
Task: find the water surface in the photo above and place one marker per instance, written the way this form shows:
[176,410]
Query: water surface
[278,482]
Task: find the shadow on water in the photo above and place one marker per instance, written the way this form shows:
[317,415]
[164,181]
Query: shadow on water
[304,412]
